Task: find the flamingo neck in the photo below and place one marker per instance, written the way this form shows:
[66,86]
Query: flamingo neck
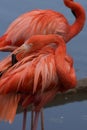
[80,16]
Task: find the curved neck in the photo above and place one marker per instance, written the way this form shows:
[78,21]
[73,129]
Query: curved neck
[65,69]
[80,16]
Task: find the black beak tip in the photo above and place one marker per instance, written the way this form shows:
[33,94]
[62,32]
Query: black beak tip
[14,59]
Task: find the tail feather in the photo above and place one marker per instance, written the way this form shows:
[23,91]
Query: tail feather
[8,106]
[45,69]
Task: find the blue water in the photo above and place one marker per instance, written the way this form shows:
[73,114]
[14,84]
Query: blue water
[65,117]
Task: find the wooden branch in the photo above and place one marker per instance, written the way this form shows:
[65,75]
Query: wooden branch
[77,94]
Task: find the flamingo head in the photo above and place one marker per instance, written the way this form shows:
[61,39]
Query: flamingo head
[30,46]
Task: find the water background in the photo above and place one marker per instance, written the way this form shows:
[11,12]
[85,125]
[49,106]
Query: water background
[65,117]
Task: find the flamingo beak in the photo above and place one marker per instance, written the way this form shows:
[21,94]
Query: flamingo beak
[23,51]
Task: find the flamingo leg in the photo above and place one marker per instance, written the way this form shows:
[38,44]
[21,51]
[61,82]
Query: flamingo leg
[24,119]
[32,117]
[35,122]
[42,120]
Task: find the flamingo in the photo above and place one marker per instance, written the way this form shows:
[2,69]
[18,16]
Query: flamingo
[43,69]
[42,22]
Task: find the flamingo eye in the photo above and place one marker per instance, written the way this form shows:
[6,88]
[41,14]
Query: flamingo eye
[27,46]
[31,44]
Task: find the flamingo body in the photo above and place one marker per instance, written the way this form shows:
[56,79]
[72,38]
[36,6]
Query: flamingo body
[38,76]
[42,22]
[33,23]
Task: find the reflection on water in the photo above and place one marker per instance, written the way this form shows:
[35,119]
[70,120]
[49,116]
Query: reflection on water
[64,117]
